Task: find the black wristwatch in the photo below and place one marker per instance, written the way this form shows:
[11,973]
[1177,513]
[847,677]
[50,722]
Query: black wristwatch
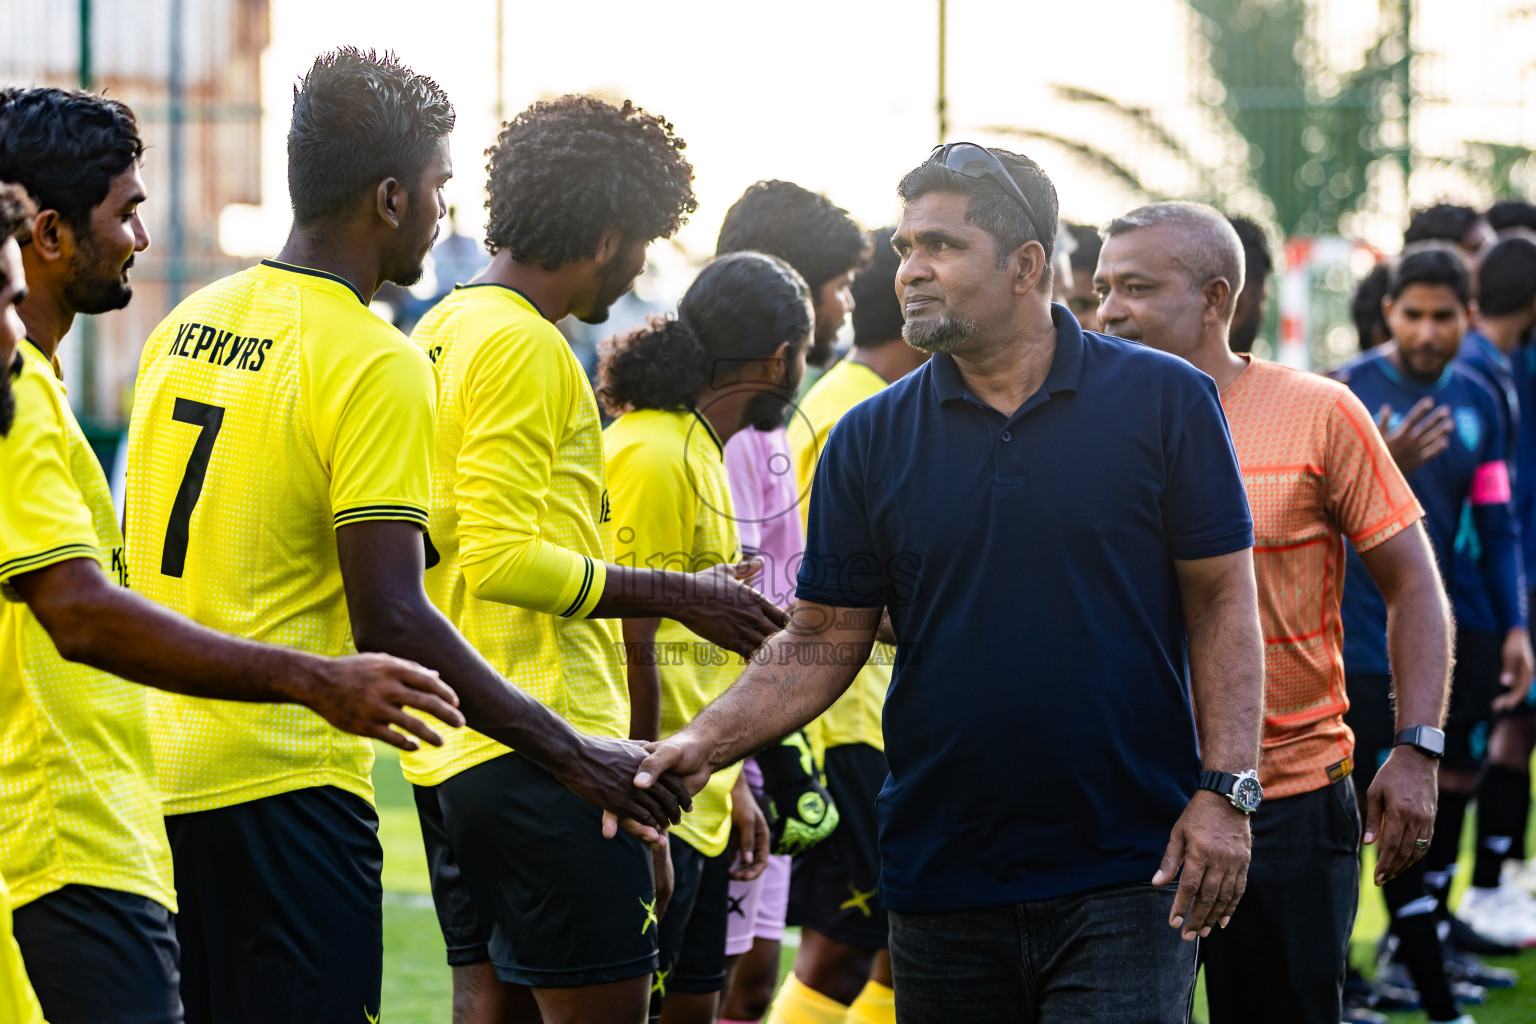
[1242,789]
[1426,739]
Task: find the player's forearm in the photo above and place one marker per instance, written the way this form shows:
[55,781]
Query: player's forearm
[1419,646]
[419,632]
[1226,668]
[94,622]
[1502,564]
[644,678]
[1418,625]
[644,703]
[637,593]
[795,678]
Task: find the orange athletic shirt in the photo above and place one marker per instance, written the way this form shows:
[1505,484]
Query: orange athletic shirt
[1317,472]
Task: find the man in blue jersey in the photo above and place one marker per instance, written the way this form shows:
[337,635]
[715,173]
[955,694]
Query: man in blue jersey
[1509,918]
[1505,318]
[1427,309]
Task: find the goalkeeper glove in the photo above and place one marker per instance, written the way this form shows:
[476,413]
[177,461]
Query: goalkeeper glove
[799,809]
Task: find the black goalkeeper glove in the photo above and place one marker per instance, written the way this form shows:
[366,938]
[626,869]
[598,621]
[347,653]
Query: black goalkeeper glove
[799,809]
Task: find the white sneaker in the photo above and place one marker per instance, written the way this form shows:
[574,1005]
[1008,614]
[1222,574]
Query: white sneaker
[1505,915]
[1518,874]
[1465,1018]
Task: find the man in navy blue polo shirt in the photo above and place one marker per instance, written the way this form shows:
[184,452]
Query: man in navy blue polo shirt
[1056,523]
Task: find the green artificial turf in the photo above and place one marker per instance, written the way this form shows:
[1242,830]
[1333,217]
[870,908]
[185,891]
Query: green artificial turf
[416,981]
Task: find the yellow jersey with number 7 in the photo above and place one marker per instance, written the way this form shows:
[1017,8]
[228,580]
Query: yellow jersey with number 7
[272,408]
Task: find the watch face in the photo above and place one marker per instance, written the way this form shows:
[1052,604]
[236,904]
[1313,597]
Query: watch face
[1248,793]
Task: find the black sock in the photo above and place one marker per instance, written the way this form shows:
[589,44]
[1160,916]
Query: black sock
[1503,812]
[1440,860]
[1520,823]
[1418,944]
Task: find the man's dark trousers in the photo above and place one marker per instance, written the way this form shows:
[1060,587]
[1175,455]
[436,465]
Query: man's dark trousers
[1089,958]
[1282,958]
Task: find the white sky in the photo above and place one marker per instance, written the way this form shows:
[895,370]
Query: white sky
[837,95]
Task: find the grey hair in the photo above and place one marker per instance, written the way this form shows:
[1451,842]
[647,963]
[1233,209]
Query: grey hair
[1210,248]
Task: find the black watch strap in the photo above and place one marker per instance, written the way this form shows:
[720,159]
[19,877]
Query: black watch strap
[1217,782]
[1426,739]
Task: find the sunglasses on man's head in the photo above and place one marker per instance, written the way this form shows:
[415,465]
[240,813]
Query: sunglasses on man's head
[973,161]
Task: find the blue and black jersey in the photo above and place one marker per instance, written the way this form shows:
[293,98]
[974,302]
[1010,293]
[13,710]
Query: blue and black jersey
[1471,471]
[1523,370]
[1470,597]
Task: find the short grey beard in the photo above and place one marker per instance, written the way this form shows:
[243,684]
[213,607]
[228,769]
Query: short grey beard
[943,333]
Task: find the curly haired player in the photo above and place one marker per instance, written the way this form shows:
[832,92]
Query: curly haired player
[542,916]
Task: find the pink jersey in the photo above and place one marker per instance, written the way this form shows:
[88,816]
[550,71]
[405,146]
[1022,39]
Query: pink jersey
[767,502]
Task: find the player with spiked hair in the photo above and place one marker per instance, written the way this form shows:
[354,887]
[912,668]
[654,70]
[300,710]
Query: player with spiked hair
[278,489]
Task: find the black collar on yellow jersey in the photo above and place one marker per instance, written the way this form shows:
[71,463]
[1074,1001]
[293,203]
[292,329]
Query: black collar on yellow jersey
[498,284]
[276,265]
[709,429]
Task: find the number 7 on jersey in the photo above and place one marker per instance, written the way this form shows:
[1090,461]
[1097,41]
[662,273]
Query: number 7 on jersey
[173,559]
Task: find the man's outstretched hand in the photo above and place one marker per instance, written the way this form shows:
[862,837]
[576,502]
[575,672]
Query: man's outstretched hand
[680,757]
[679,762]
[1213,842]
[366,694]
[603,773]
[725,610]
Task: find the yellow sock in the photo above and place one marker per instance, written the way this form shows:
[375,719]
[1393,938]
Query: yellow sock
[798,1003]
[875,1005]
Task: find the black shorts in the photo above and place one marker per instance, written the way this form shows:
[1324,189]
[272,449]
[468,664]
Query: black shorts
[281,915]
[835,885]
[98,955]
[1474,680]
[694,926]
[1525,709]
[1474,683]
[522,877]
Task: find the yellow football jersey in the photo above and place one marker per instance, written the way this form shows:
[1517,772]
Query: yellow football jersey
[78,803]
[519,517]
[271,408]
[18,1003]
[672,509]
[856,715]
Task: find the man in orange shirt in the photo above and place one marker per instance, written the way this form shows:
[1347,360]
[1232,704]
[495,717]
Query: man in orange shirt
[1317,473]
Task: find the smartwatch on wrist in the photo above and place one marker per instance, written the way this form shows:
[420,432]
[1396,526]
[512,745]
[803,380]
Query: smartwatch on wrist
[1242,789]
[1426,739]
